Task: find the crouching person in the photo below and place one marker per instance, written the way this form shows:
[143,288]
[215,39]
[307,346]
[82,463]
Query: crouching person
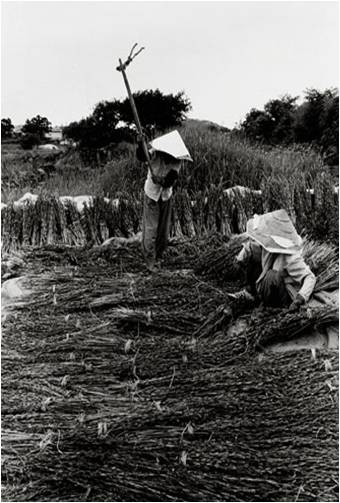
[166,155]
[272,257]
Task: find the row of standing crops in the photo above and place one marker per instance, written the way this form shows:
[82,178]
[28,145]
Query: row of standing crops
[49,221]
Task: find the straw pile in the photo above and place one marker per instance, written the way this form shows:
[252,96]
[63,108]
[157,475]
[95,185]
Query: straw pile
[119,385]
[258,432]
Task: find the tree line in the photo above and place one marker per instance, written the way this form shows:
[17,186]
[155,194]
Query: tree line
[111,122]
[281,122]
[33,131]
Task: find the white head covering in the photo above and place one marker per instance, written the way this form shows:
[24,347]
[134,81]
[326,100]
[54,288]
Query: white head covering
[172,144]
[275,232]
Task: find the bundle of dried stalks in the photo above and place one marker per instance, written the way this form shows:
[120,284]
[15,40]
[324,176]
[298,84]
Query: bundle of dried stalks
[50,221]
[220,264]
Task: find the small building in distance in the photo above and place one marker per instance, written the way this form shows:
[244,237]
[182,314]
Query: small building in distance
[17,130]
[56,134]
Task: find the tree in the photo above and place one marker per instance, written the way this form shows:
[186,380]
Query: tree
[81,132]
[282,122]
[317,122]
[307,120]
[281,112]
[105,119]
[6,128]
[257,125]
[30,140]
[101,128]
[274,124]
[330,130]
[37,125]
[157,110]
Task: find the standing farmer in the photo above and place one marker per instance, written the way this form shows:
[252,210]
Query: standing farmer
[166,155]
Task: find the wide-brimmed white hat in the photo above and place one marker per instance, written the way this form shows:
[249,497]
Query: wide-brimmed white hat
[275,232]
[172,144]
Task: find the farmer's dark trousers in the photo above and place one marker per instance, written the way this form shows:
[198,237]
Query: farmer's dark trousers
[271,290]
[156,228]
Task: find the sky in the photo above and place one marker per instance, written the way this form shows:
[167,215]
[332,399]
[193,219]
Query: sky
[58,59]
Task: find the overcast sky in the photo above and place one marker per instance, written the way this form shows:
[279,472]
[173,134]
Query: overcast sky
[59,58]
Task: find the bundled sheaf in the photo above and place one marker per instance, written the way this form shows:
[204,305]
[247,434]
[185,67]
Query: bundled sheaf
[323,260]
[50,221]
[220,263]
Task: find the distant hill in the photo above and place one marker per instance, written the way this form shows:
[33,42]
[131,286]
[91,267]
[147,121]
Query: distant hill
[205,124]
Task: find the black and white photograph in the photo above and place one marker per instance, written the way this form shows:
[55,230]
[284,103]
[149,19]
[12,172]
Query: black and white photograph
[169,251]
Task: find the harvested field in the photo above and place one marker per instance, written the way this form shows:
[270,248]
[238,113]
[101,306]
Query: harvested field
[119,385]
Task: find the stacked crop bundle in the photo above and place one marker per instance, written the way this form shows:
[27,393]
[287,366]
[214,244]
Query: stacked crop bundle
[183,217]
[323,259]
[226,205]
[184,253]
[92,221]
[219,263]
[49,221]
[101,219]
[74,228]
[11,228]
[195,213]
[130,213]
[264,327]
[282,325]
[240,216]
[199,212]
[213,208]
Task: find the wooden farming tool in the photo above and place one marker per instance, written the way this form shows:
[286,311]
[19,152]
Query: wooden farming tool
[121,68]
